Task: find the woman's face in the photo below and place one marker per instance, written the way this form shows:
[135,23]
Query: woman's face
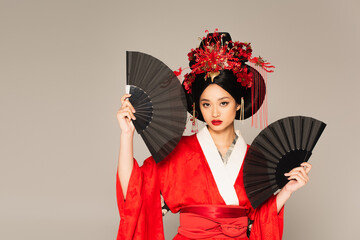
[218,107]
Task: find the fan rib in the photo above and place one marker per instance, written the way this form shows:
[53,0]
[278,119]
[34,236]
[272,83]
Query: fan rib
[268,152]
[283,128]
[254,183]
[257,173]
[264,164]
[253,192]
[271,143]
[281,133]
[278,141]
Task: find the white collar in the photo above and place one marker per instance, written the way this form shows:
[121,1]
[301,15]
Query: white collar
[224,175]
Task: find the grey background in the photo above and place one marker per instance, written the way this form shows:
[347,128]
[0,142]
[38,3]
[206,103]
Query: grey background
[62,72]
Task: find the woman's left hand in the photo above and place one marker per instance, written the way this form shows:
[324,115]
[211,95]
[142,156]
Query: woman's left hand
[298,177]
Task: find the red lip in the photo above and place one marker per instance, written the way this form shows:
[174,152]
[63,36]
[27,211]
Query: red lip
[216,122]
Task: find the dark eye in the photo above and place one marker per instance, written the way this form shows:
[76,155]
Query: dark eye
[224,103]
[205,104]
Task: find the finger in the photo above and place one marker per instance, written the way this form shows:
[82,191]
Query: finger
[301,174]
[298,176]
[122,99]
[127,113]
[304,176]
[307,166]
[131,107]
[123,115]
[294,172]
[132,116]
[131,113]
[297,169]
[128,104]
[298,179]
[302,170]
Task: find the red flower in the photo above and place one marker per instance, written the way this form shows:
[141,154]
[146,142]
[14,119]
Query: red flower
[259,61]
[178,73]
[188,81]
[245,78]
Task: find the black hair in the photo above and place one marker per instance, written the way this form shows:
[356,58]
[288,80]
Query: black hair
[226,80]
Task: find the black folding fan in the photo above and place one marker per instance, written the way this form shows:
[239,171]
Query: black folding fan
[280,147]
[159,101]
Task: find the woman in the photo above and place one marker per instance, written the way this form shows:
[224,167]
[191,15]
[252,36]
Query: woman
[202,177]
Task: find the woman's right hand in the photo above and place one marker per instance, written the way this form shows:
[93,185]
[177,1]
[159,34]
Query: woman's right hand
[125,115]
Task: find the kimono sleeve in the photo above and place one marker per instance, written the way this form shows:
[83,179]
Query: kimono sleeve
[140,213]
[268,224]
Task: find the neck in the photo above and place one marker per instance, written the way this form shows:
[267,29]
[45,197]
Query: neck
[223,138]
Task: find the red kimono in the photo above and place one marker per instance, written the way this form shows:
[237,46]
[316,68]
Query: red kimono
[184,178]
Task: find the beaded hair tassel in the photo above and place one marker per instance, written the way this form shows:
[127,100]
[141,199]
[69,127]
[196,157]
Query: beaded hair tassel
[194,126]
[242,110]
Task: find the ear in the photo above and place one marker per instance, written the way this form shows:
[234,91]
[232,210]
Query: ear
[238,106]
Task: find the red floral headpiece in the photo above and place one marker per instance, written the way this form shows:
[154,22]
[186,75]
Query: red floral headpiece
[218,52]
[215,55]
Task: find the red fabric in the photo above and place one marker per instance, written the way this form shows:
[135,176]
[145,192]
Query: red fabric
[184,178]
[213,221]
[194,226]
[216,211]
[140,214]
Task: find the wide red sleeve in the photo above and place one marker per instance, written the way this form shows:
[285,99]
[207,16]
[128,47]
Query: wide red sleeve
[140,213]
[268,224]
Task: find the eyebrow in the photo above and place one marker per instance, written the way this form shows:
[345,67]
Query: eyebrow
[209,100]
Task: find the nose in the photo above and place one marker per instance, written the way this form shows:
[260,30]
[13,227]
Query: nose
[215,112]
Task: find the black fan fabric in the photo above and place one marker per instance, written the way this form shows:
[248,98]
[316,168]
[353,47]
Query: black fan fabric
[159,101]
[280,147]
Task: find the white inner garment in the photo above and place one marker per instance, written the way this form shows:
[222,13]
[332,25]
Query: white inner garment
[224,174]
